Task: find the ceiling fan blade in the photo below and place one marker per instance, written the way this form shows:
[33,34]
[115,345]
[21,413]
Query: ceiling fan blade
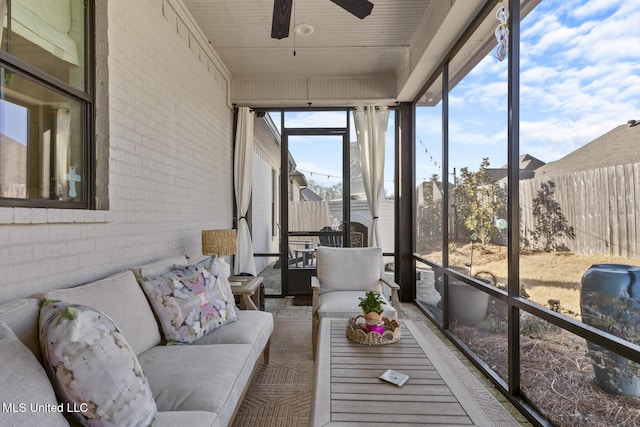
[281,19]
[359,8]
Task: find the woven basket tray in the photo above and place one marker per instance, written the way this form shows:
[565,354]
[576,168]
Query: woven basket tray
[357,333]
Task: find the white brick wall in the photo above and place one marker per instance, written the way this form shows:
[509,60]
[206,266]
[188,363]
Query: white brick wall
[169,167]
[360,213]
[261,210]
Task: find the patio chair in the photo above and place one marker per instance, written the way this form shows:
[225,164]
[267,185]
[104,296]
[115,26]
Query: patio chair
[343,276]
[358,235]
[330,240]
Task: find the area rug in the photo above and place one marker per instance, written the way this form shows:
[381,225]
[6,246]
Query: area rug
[280,393]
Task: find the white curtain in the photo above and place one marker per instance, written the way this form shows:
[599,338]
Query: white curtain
[371,131]
[63,153]
[243,171]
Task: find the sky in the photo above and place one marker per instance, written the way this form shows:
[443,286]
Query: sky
[13,121]
[580,78]
[316,157]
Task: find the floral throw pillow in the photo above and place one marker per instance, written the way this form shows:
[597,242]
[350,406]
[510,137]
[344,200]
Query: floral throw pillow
[189,303]
[213,266]
[93,369]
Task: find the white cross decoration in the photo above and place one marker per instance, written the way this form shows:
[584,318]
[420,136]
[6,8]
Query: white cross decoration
[72,178]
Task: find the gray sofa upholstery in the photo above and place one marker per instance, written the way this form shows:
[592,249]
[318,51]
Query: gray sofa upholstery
[200,384]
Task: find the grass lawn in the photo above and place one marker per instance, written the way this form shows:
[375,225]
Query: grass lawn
[545,276]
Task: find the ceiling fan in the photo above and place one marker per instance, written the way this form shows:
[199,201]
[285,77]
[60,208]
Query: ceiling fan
[282,14]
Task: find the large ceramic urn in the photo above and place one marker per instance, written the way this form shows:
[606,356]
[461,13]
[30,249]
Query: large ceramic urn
[610,301]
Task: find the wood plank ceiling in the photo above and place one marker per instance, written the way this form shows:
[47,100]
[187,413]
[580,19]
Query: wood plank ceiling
[377,55]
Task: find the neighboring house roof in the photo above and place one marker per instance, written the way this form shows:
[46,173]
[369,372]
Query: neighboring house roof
[299,177]
[619,146]
[527,164]
[310,195]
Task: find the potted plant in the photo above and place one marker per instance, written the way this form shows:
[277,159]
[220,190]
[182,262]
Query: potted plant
[371,306]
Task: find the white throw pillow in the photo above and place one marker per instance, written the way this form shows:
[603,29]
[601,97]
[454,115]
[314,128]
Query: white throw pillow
[94,370]
[26,394]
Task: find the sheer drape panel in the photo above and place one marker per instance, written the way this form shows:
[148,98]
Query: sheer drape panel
[371,131]
[243,171]
[63,154]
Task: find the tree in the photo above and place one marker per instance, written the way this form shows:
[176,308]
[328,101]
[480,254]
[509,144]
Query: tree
[326,192]
[550,222]
[478,202]
[431,219]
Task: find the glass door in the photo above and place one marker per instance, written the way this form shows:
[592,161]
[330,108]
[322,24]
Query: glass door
[313,202]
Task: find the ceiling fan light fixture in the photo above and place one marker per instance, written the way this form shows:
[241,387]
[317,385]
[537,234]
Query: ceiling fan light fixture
[303,29]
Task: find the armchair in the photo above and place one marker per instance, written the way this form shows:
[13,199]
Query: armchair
[344,275]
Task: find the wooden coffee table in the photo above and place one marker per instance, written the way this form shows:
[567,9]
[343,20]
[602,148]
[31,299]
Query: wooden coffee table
[348,392]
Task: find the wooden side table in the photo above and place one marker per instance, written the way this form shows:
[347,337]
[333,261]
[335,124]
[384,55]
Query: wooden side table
[246,290]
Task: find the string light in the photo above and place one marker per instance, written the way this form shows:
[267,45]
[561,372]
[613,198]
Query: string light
[322,174]
[426,153]
[311,173]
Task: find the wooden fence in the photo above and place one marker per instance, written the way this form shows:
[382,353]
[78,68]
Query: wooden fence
[602,205]
[308,216]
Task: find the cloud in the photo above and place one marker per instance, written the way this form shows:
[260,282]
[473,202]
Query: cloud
[580,74]
[592,7]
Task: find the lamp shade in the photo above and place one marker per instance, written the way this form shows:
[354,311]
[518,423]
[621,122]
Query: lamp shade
[219,242]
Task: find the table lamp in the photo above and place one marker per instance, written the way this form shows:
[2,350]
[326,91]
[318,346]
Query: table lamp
[219,243]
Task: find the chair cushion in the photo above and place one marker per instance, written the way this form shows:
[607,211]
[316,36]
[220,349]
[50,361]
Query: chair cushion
[189,302]
[24,383]
[93,368]
[118,296]
[344,304]
[198,377]
[349,269]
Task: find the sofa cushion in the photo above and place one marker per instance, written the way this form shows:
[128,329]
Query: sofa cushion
[251,327]
[344,304]
[120,297]
[349,269]
[158,267]
[93,368]
[189,302]
[22,317]
[199,377]
[25,386]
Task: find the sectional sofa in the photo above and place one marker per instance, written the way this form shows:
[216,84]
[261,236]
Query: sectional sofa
[196,384]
